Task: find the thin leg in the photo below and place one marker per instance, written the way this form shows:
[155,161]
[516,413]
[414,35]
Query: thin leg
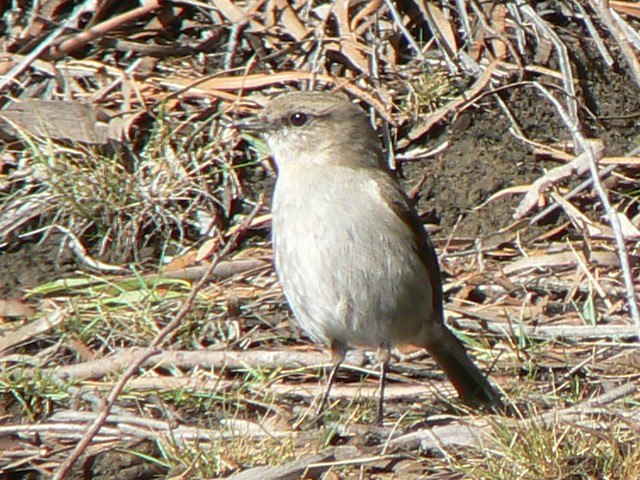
[337,355]
[383,356]
[327,391]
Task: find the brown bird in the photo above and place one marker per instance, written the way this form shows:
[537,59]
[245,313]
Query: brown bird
[355,262]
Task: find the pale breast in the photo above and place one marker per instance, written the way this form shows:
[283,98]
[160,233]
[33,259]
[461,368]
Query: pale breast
[347,264]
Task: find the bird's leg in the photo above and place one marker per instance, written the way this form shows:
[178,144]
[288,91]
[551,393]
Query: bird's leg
[383,357]
[337,357]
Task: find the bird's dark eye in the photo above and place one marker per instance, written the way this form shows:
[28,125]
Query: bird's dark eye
[298,119]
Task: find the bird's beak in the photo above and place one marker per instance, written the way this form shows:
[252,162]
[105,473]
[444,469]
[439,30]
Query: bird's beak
[255,124]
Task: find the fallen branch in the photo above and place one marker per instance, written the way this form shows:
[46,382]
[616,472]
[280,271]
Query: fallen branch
[578,166]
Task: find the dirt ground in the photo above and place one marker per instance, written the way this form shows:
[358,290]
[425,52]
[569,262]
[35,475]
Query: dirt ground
[482,159]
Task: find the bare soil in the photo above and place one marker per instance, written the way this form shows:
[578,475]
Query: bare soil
[482,159]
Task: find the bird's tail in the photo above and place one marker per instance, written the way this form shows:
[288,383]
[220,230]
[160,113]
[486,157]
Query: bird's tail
[471,384]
